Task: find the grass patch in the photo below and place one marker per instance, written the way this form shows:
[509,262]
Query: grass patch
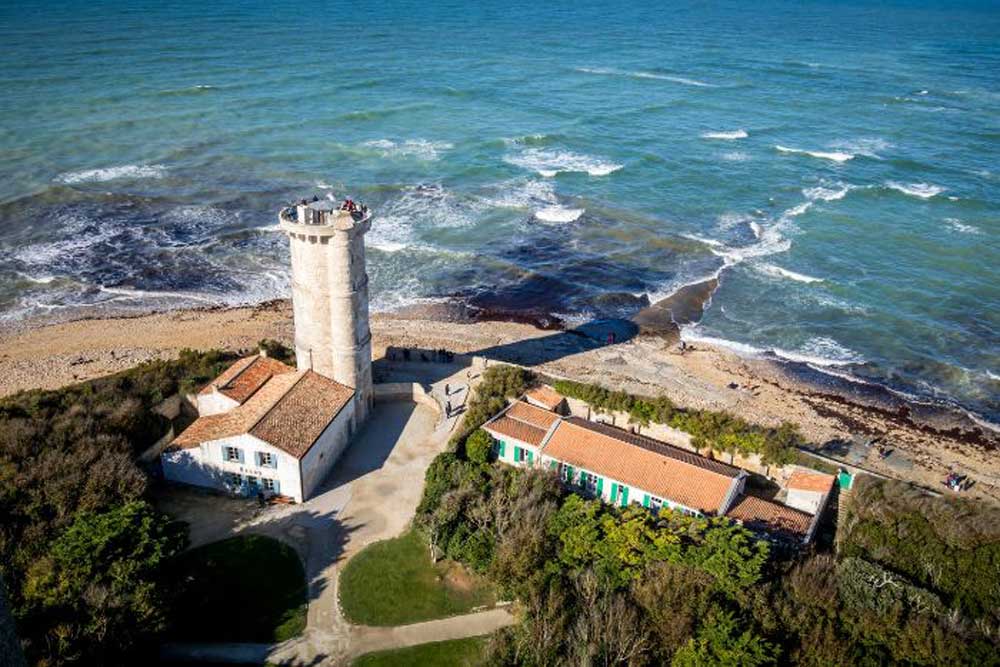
[451,653]
[394,582]
[244,589]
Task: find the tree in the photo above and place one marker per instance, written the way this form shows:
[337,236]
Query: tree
[721,643]
[479,446]
[96,594]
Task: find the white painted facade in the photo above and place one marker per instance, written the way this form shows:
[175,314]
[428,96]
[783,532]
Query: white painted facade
[513,451]
[206,465]
[328,448]
[214,403]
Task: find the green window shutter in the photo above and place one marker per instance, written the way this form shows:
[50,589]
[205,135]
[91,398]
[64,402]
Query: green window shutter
[531,456]
[614,491]
[517,454]
[645,500]
[553,465]
[624,496]
[600,485]
[569,474]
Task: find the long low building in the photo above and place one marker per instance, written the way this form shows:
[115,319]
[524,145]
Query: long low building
[622,468]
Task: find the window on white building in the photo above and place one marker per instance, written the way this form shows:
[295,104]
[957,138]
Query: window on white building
[232,454]
[270,485]
[589,482]
[655,503]
[233,479]
[267,460]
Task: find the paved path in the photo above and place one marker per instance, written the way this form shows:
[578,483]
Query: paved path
[362,639]
[371,495]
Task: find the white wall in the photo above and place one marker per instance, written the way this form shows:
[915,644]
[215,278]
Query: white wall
[214,403]
[204,466]
[510,443]
[328,448]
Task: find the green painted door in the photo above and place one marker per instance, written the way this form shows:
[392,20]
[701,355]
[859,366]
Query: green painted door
[624,495]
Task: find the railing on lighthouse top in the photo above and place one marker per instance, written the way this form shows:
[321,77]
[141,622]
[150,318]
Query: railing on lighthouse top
[325,213]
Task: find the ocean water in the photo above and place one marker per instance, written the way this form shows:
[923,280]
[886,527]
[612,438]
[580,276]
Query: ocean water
[836,165]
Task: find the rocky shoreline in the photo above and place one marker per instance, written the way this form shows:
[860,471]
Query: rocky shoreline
[836,419]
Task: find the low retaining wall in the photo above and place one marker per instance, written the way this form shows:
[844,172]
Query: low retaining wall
[406,391]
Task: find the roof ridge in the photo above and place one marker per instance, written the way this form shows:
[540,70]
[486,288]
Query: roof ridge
[653,445]
[243,370]
[277,402]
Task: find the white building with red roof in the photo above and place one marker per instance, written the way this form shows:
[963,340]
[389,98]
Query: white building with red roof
[623,468]
[264,427]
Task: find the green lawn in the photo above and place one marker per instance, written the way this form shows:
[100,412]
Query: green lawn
[394,582]
[244,589]
[454,653]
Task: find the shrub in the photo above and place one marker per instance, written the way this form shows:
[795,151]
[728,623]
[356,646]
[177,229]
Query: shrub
[479,446]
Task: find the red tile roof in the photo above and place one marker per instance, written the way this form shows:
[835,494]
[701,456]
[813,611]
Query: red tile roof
[760,514]
[533,415]
[545,395]
[247,375]
[655,467]
[802,480]
[517,429]
[302,413]
[289,411]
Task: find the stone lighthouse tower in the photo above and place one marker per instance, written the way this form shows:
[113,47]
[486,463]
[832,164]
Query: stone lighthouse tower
[330,295]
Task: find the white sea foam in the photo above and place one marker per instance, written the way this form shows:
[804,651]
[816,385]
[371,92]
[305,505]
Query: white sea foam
[957,225]
[736,156]
[146,295]
[645,75]
[558,214]
[729,220]
[731,135]
[870,147]
[825,155]
[922,190]
[993,376]
[419,149]
[548,163]
[702,239]
[756,229]
[778,272]
[323,185]
[827,193]
[131,171]
[521,194]
[821,351]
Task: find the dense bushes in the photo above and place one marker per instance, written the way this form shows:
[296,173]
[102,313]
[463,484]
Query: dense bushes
[66,467]
[719,430]
[948,545]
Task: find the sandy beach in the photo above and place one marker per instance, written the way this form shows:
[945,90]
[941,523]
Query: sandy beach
[758,390]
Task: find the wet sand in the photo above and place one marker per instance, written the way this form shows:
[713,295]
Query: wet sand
[758,390]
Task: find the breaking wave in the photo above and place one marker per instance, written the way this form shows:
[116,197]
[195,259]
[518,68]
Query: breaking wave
[419,149]
[922,190]
[559,214]
[736,156]
[825,193]
[132,171]
[825,155]
[957,225]
[778,272]
[735,134]
[548,163]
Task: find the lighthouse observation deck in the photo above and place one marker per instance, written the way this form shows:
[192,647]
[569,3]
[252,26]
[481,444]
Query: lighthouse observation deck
[323,213]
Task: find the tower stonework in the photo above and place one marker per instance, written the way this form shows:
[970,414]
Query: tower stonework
[330,295]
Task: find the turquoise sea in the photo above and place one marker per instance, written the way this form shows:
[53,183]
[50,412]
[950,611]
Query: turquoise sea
[835,164]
